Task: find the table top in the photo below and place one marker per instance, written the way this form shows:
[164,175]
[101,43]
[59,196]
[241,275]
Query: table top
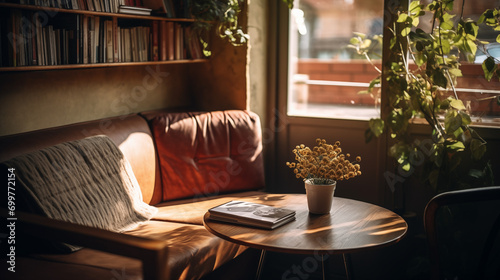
[350,226]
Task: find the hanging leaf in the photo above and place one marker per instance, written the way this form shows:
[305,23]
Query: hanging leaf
[489,67]
[420,59]
[452,122]
[376,126]
[445,46]
[447,22]
[471,29]
[455,72]
[457,104]
[439,79]
[466,120]
[415,7]
[405,31]
[406,166]
[458,146]
[471,46]
[366,44]
[402,17]
[415,22]
[354,41]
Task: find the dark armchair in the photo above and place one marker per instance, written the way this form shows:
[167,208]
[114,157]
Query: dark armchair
[463,231]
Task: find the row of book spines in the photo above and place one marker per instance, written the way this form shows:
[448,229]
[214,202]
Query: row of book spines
[94,40]
[172,8]
[109,6]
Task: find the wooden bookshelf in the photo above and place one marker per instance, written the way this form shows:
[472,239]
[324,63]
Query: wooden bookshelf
[57,16]
[98,65]
[85,12]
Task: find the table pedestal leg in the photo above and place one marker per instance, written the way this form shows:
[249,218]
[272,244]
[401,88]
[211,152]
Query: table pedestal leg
[348,266]
[261,264]
[323,267]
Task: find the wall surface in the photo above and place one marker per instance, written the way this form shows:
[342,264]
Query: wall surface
[41,99]
[258,57]
[223,82]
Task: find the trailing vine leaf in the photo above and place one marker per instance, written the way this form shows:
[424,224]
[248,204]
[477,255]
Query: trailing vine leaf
[420,90]
[439,78]
[457,145]
[457,104]
[376,126]
[489,67]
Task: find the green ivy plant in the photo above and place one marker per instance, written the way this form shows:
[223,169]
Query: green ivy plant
[223,15]
[422,89]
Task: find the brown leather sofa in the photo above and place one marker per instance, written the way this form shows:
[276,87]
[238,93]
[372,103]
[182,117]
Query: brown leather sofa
[184,162]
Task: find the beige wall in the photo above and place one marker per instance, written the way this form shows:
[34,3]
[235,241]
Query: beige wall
[41,99]
[259,56]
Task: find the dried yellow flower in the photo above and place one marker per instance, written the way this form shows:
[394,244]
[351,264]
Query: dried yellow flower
[324,162]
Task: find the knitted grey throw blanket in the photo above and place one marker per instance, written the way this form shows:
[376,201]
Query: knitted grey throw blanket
[87,182]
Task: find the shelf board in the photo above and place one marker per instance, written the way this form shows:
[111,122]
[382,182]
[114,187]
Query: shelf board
[97,65]
[86,12]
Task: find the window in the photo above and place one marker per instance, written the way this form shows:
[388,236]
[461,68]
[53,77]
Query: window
[326,77]
[481,97]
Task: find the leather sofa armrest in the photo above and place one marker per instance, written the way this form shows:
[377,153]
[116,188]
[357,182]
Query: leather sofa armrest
[152,253]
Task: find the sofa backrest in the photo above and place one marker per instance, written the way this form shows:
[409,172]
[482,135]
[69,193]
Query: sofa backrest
[173,155]
[207,153]
[130,133]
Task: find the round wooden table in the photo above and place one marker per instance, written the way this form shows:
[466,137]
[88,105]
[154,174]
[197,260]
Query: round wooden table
[350,226]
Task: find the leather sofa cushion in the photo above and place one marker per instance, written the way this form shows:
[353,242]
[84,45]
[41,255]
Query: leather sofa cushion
[192,210]
[194,253]
[204,153]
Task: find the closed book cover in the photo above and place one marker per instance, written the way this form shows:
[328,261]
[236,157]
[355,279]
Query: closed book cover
[163,41]
[115,39]
[170,40]
[155,55]
[134,10]
[109,40]
[252,214]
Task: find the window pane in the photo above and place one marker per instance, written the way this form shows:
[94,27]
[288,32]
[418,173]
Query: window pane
[326,78]
[480,97]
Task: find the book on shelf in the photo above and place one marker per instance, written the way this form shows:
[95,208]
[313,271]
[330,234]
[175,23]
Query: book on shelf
[109,6]
[251,214]
[132,10]
[154,41]
[193,44]
[26,39]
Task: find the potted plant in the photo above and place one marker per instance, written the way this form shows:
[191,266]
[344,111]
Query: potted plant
[321,168]
[224,17]
[421,78]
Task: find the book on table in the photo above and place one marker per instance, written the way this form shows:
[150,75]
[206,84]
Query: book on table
[251,214]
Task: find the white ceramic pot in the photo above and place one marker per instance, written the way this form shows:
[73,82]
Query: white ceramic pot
[319,197]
